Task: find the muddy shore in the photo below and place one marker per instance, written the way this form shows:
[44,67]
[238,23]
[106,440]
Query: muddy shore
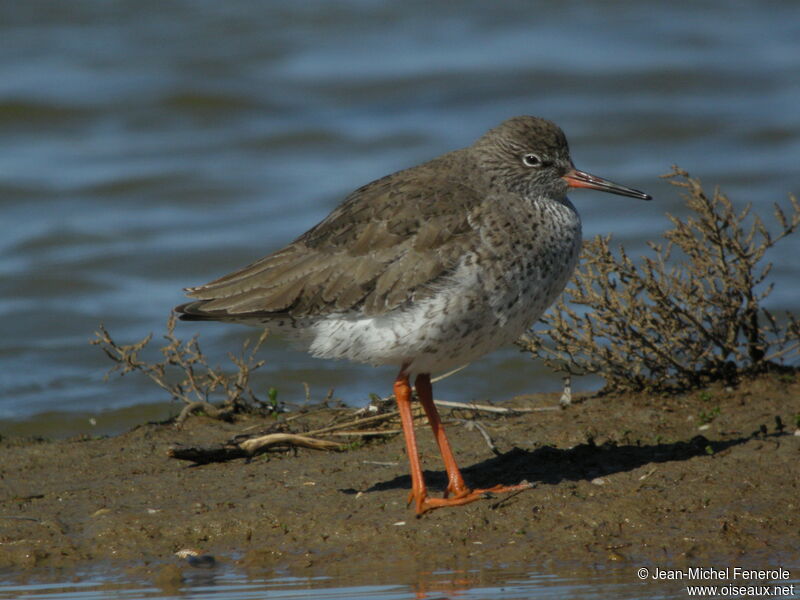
[708,478]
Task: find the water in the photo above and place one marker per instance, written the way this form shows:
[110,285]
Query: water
[148,146]
[619,583]
[478,584]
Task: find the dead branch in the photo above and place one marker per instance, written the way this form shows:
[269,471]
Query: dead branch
[470,425]
[202,455]
[254,445]
[185,373]
[198,406]
[503,410]
[368,432]
[248,448]
[355,423]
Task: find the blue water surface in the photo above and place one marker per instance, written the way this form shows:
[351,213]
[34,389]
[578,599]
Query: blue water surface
[148,146]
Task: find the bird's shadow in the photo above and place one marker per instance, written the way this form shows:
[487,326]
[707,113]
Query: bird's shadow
[582,462]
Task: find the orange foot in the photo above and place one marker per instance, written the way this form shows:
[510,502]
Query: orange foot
[457,492]
[424,503]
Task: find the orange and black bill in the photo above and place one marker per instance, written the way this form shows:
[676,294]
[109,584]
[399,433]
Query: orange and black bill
[581,179]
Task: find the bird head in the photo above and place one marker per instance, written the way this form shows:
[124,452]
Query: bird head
[530,156]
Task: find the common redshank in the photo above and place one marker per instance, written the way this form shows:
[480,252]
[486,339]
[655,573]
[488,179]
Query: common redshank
[425,269]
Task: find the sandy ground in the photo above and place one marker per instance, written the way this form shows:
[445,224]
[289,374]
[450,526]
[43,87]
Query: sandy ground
[708,478]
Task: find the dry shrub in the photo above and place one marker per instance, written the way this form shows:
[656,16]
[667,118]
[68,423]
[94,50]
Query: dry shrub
[184,372]
[689,314]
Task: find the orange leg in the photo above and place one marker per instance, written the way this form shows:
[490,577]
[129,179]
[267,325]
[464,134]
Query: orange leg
[455,482]
[402,392]
[456,486]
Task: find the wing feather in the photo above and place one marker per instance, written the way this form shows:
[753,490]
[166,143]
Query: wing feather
[388,243]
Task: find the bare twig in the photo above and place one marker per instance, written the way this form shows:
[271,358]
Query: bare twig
[502,410]
[355,423]
[470,425]
[260,443]
[368,432]
[248,448]
[184,372]
[198,406]
[449,373]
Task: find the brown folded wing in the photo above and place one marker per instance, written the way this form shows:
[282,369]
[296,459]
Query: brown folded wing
[388,243]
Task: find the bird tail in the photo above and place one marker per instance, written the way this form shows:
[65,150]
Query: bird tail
[193,311]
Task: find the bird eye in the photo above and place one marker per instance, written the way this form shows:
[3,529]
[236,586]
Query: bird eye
[531,160]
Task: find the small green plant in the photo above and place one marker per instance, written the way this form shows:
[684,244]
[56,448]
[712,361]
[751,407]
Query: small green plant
[689,314]
[706,417]
[353,445]
[272,399]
